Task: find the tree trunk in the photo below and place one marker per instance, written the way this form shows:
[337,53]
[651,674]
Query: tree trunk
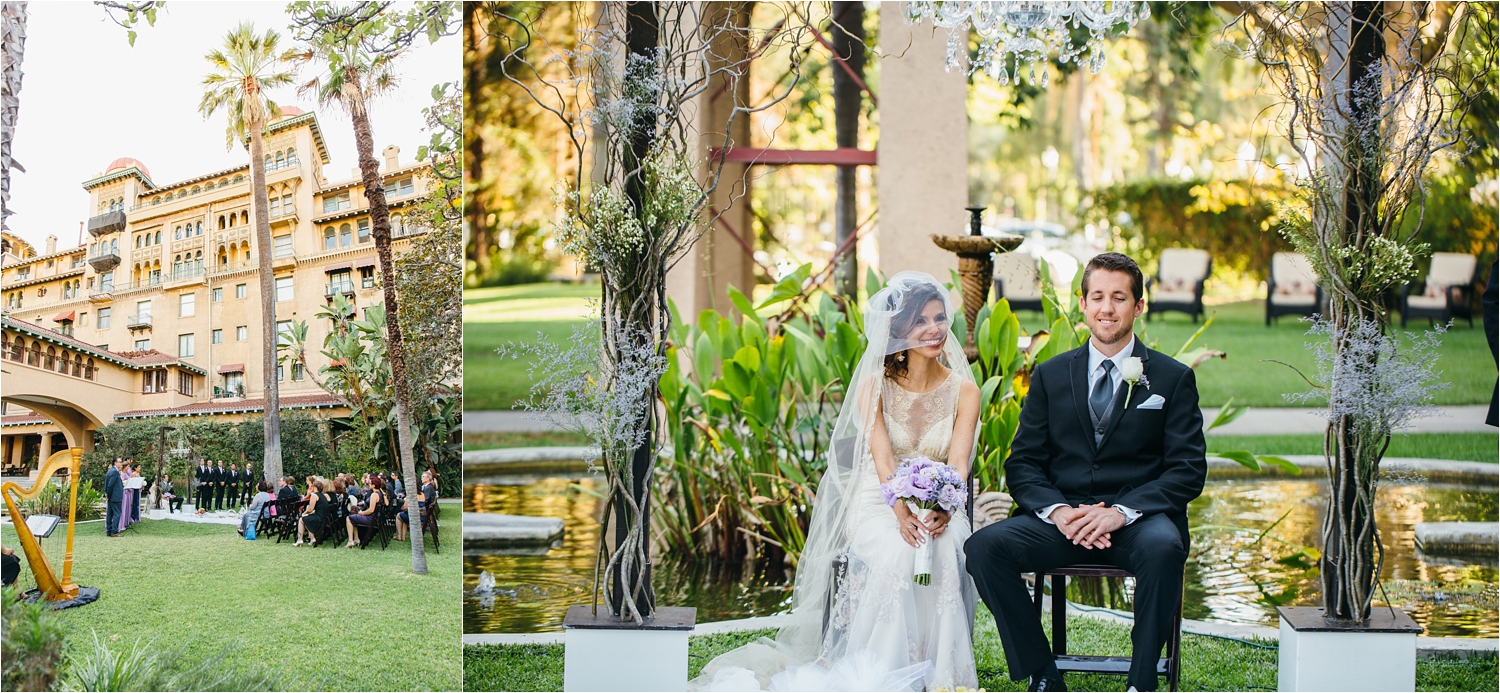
[848,39]
[380,222]
[259,216]
[474,78]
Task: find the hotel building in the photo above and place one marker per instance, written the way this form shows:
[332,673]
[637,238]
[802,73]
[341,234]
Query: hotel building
[158,311]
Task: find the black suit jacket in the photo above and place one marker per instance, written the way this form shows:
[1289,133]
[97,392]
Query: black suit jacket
[247,476]
[203,475]
[114,488]
[221,475]
[286,492]
[1151,460]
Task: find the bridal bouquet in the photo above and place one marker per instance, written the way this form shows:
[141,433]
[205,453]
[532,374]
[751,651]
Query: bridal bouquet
[925,485]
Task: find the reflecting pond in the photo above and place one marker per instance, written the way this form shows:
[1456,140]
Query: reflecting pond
[1234,575]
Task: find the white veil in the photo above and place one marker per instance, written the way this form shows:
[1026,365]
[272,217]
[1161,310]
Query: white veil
[836,506]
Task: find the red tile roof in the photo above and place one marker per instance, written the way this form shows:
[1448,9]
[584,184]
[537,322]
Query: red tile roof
[244,405]
[64,340]
[23,419]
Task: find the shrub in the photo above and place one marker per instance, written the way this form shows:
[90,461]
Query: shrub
[55,497]
[507,269]
[31,646]
[143,667]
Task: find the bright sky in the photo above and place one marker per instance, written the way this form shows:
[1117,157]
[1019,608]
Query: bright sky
[88,98]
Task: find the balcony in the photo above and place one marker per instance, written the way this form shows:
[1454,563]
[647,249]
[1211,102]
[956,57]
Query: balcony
[104,262]
[283,258]
[103,295]
[138,321]
[107,223]
[231,267]
[334,288]
[281,165]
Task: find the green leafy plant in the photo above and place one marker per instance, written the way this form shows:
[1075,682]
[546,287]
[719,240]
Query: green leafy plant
[55,498]
[143,666]
[31,644]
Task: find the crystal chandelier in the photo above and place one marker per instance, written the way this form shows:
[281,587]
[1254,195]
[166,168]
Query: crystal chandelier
[1027,32]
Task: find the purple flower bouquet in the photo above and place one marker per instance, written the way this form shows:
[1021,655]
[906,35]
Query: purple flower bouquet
[925,485]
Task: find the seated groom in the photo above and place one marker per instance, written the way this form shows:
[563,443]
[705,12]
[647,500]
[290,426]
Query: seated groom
[1097,479]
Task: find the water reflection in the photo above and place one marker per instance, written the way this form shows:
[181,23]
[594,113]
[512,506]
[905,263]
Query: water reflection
[1232,577]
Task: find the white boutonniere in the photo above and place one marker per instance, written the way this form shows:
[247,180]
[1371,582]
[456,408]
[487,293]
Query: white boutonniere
[1133,371]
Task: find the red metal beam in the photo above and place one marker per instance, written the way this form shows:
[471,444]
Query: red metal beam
[842,156]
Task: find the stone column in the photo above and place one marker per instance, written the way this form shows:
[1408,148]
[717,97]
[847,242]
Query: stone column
[924,147]
[46,449]
[701,280]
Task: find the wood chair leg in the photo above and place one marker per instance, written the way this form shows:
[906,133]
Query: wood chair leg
[1059,615]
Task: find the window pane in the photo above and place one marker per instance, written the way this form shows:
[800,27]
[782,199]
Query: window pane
[218,336]
[187,305]
[283,289]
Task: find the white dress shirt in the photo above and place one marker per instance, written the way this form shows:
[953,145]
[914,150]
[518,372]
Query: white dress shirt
[1096,371]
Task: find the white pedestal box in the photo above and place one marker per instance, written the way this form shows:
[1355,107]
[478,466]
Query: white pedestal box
[156,514]
[1323,655]
[602,654]
[188,508]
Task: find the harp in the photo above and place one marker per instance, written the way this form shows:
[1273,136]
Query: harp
[52,588]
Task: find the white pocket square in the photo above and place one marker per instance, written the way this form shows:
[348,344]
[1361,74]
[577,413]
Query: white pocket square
[1152,402]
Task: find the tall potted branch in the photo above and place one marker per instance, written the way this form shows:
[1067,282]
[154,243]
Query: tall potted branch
[630,98]
[1373,94]
[243,69]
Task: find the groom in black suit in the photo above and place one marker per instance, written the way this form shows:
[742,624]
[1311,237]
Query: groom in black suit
[1097,479]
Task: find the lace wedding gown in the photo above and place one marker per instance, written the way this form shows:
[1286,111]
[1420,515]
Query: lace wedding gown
[886,632]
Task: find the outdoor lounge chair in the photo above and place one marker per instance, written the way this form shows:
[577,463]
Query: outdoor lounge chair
[1178,284]
[1447,292]
[1292,287]
[1017,281]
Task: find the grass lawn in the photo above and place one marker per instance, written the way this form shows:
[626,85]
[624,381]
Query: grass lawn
[1239,330]
[1210,664]
[330,618]
[494,316]
[528,439]
[1471,447]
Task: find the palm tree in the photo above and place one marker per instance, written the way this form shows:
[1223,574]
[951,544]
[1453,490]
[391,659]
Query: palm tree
[247,65]
[353,44]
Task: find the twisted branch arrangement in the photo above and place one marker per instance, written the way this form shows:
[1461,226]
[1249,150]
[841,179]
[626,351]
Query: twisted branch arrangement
[631,96]
[1371,98]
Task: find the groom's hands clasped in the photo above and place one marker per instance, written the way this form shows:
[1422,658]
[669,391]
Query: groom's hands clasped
[1088,525]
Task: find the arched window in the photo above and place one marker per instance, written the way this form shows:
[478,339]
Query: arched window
[280,159]
[208,186]
[156,200]
[62,362]
[197,189]
[239,179]
[77,365]
[291,155]
[268,162]
[17,348]
[221,222]
[398,225]
[137,240]
[198,229]
[34,354]
[346,235]
[88,369]
[50,359]
[177,234]
[114,246]
[158,236]
[328,240]
[244,216]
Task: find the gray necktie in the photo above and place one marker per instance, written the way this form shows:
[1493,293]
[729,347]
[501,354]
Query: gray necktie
[1102,396]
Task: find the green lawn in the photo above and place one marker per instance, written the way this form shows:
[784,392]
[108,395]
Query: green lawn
[494,316]
[528,439]
[1239,330]
[1472,447]
[329,618]
[1210,664]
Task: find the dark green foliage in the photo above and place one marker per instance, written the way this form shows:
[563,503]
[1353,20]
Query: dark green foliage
[508,268]
[1451,222]
[31,646]
[56,497]
[306,447]
[1234,221]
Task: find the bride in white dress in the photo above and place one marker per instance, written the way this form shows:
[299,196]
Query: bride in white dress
[859,621]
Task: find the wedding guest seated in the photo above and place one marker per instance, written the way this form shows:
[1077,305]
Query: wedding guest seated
[11,566]
[317,506]
[258,505]
[288,489]
[393,484]
[427,495]
[366,515]
[164,487]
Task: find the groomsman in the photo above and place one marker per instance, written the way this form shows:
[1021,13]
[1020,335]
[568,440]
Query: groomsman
[232,488]
[221,480]
[247,484]
[114,494]
[203,485]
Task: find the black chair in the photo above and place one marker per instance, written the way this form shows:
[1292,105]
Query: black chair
[1171,665]
[288,512]
[1178,284]
[1447,292]
[1292,287]
[333,523]
[368,534]
[430,515]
